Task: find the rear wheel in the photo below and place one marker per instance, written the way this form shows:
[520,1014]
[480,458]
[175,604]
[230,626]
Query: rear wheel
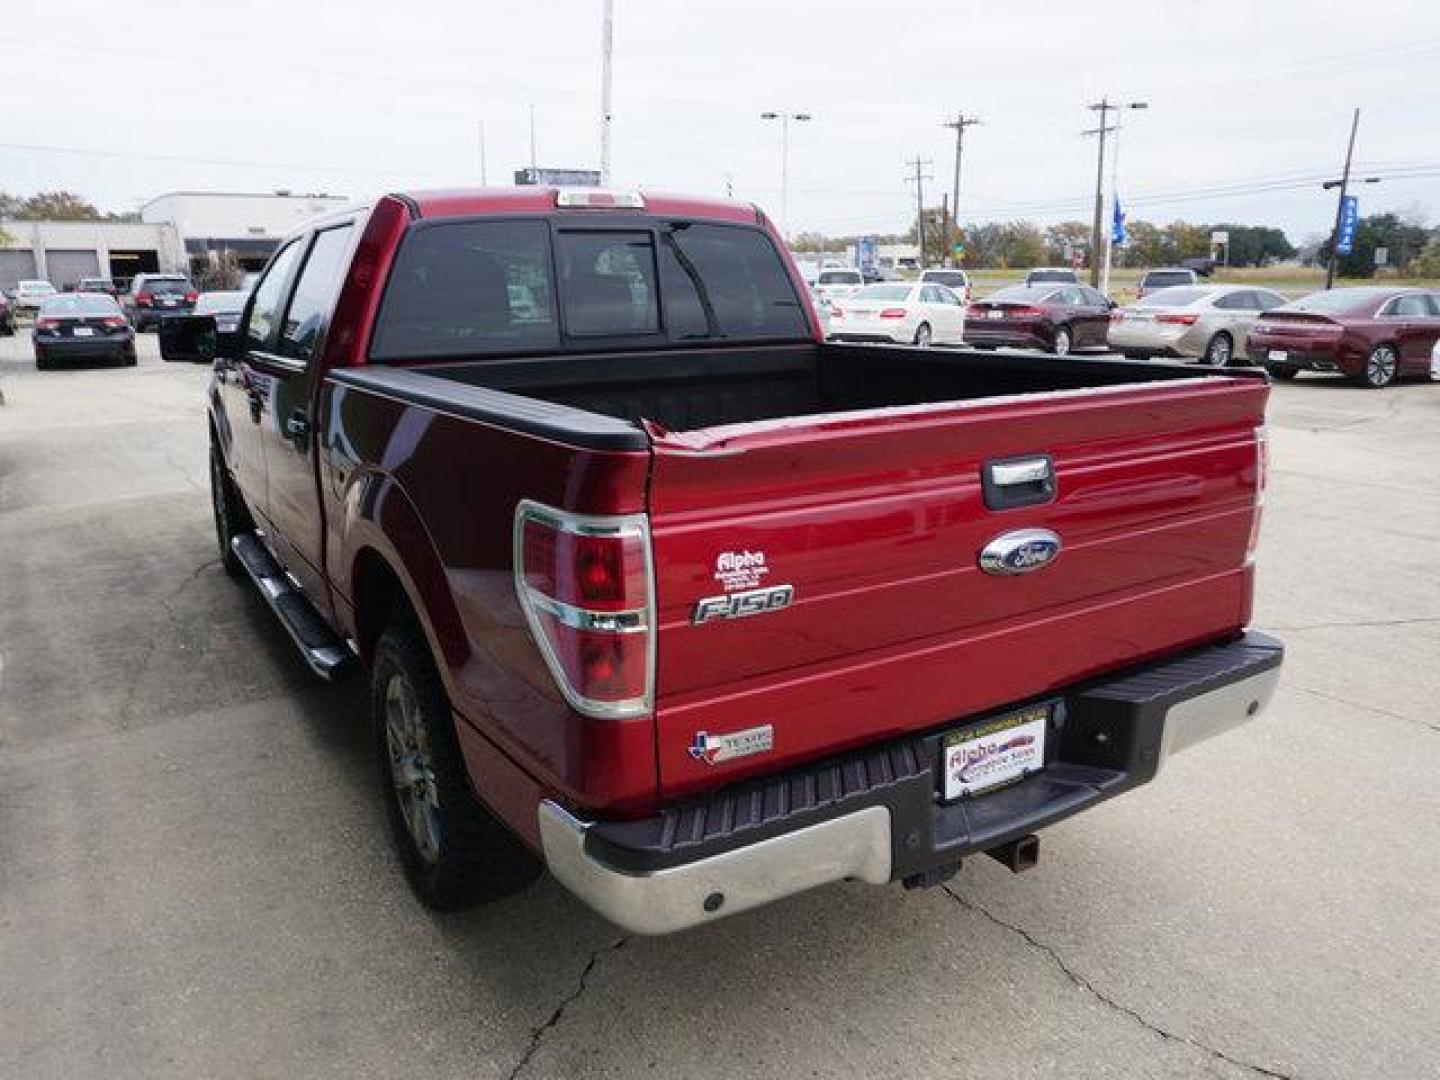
[42,362]
[454,852]
[1220,351]
[131,359]
[1381,367]
[923,335]
[1063,342]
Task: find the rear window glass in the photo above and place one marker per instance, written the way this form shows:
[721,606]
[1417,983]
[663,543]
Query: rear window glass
[468,287]
[883,292]
[1163,279]
[1067,276]
[1171,298]
[840,277]
[1337,300]
[478,287]
[718,281]
[211,302]
[78,304]
[953,278]
[165,285]
[1026,293]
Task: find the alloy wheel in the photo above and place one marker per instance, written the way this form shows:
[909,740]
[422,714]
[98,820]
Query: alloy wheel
[412,769]
[1381,366]
[1062,342]
[1218,353]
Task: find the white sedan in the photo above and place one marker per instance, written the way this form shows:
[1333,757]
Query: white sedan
[908,314]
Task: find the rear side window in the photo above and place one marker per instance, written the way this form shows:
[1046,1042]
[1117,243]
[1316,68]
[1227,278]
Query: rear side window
[608,283]
[1416,306]
[725,282]
[314,293]
[467,287]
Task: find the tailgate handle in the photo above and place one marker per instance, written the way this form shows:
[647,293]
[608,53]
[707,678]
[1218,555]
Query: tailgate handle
[1021,481]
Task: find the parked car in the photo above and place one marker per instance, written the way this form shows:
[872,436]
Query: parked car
[227,305]
[153,296]
[698,627]
[902,313]
[97,285]
[954,279]
[1207,322]
[1166,277]
[7,317]
[1372,334]
[82,326]
[30,294]
[1055,319]
[1052,275]
[837,284]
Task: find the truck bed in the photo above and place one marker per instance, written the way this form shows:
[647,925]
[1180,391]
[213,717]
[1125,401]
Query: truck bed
[684,390]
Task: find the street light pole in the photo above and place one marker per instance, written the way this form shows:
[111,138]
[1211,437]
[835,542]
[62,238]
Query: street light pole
[1115,193]
[606,44]
[785,118]
[1104,107]
[959,124]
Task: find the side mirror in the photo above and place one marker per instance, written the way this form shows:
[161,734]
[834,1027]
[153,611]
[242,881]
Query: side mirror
[194,339]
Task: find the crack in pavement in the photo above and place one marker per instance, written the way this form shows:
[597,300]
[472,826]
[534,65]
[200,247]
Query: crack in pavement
[142,667]
[1358,624]
[1085,984]
[1366,708]
[537,1035]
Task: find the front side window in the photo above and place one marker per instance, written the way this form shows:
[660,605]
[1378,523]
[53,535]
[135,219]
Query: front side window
[315,292]
[607,281]
[468,287]
[269,297]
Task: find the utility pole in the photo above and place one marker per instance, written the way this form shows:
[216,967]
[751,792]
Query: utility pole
[606,45]
[1104,107]
[1115,191]
[1340,203]
[533,166]
[959,124]
[918,179]
[785,118]
[484,180]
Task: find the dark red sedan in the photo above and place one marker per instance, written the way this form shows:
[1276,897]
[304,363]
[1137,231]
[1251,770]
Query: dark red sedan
[1372,334]
[1055,318]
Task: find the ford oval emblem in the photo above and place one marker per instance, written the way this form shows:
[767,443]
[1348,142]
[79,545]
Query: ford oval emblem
[1020,552]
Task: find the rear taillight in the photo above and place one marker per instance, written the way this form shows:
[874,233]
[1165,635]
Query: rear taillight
[1178,320]
[1024,312]
[115,322]
[893,313]
[967,294]
[584,584]
[144,299]
[1262,480]
[191,297]
[836,313]
[47,324]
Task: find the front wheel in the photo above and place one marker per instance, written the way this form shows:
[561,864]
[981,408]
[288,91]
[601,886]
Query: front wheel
[1063,342]
[1220,351]
[454,852]
[1381,367]
[923,335]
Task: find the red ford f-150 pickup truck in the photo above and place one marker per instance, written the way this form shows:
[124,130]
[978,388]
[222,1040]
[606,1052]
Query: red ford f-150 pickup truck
[655,588]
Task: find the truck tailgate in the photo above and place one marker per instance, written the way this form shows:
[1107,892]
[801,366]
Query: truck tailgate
[876,520]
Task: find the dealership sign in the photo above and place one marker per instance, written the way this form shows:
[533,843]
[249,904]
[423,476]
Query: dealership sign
[1349,219]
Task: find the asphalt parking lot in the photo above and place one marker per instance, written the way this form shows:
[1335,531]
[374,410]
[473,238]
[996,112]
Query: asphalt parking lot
[195,878]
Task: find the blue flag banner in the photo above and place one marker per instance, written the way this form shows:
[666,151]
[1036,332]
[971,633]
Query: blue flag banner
[1349,220]
[1118,235]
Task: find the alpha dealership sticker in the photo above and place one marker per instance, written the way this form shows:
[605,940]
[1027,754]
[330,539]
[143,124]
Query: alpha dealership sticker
[1000,752]
[740,569]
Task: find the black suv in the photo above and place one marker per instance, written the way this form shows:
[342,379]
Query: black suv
[153,296]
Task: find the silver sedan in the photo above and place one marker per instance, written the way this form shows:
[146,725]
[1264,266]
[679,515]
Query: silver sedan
[1206,322]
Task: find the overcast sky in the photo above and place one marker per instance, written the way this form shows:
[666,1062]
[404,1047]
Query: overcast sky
[121,103]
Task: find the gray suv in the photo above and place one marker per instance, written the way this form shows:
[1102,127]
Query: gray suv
[153,296]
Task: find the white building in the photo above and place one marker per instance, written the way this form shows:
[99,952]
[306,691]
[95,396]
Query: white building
[63,252]
[247,225]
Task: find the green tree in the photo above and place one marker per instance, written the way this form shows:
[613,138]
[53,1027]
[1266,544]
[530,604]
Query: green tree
[1147,246]
[1063,238]
[1023,244]
[1186,241]
[1402,238]
[1427,264]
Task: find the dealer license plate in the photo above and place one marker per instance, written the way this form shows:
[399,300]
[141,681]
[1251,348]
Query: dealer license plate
[994,313]
[1279,356]
[997,753]
[83,331]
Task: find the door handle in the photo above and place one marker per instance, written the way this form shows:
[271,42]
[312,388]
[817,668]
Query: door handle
[1013,482]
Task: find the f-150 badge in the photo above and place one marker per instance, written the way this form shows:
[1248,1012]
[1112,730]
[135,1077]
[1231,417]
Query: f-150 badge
[739,605]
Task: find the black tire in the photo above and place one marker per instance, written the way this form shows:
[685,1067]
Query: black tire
[1064,341]
[1283,374]
[7,327]
[42,362]
[1219,351]
[228,508]
[923,336]
[131,358]
[469,857]
[1381,368]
